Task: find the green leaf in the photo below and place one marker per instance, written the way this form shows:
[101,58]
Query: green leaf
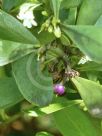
[99,21]
[89,12]
[88,39]
[9,93]
[11,29]
[72,121]
[68,16]
[56,7]
[16,41]
[90,66]
[65,40]
[7,5]
[2,72]
[91,93]
[35,85]
[70,3]
[92,75]
[72,16]
[11,51]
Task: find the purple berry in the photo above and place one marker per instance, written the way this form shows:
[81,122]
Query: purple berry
[59,89]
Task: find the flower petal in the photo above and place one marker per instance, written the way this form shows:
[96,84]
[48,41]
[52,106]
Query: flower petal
[27,23]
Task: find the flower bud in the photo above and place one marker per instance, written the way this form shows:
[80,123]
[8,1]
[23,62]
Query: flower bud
[57,32]
[50,29]
[59,89]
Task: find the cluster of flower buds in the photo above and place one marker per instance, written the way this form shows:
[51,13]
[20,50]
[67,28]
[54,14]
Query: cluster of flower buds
[52,26]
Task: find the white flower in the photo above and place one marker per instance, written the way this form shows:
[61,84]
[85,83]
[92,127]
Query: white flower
[28,19]
[29,23]
[26,14]
[84,59]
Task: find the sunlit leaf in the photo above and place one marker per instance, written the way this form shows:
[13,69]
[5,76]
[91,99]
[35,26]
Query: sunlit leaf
[91,93]
[75,122]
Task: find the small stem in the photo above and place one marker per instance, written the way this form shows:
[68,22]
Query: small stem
[13,118]
[10,120]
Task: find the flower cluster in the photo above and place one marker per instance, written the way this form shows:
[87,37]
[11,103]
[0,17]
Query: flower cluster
[52,26]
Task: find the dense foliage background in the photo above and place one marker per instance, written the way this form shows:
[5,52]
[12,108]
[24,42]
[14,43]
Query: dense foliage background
[50,67]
